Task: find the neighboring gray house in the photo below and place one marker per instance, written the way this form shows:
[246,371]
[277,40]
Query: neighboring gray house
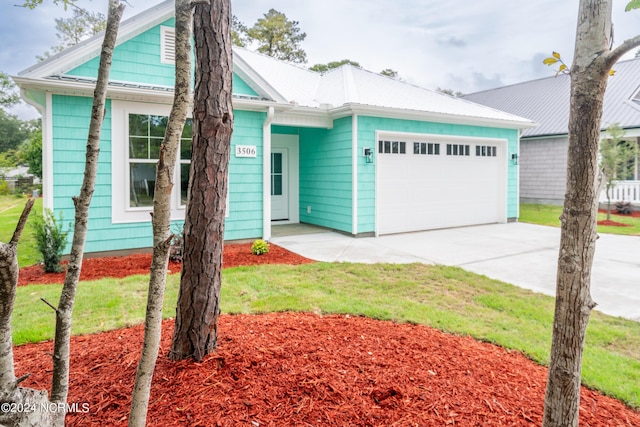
[543,149]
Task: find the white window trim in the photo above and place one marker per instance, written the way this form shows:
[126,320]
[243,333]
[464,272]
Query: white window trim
[120,210]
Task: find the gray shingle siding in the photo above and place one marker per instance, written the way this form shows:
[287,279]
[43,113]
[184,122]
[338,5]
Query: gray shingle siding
[543,164]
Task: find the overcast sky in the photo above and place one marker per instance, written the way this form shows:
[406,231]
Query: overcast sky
[466,46]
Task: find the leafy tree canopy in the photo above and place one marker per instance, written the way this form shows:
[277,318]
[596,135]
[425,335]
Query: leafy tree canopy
[13,131]
[451,92]
[323,68]
[278,37]
[32,4]
[71,31]
[30,153]
[389,73]
[8,94]
[239,33]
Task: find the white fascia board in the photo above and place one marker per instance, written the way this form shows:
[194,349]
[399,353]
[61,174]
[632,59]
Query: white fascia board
[253,78]
[71,88]
[369,110]
[90,48]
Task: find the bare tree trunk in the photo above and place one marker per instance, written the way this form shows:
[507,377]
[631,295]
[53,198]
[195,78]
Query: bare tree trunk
[592,61]
[60,380]
[10,392]
[162,216]
[8,285]
[195,333]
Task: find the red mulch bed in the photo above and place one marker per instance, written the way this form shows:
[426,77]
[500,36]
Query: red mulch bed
[611,223]
[299,369]
[293,369]
[123,266]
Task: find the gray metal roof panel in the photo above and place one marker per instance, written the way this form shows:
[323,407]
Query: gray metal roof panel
[546,101]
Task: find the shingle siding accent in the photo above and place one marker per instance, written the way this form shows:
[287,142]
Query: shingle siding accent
[543,166]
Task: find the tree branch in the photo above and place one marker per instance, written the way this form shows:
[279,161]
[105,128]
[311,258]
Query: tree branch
[22,222]
[613,56]
[49,304]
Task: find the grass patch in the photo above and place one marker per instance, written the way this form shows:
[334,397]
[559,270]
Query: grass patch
[550,215]
[10,209]
[447,298]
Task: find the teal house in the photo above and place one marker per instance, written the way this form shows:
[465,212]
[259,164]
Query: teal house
[349,149]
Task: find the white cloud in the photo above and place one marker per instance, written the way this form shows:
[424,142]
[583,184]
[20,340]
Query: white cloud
[465,46]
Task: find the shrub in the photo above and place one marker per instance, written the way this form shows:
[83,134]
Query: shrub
[4,188]
[51,240]
[623,208]
[260,247]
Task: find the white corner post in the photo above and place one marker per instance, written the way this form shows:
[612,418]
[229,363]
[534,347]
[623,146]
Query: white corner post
[266,175]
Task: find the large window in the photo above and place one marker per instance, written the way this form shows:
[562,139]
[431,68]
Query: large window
[146,133]
[136,136]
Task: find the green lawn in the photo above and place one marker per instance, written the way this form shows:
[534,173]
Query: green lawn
[10,209]
[550,215]
[447,298]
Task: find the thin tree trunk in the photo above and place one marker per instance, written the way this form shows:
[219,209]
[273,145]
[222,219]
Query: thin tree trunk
[161,220]
[8,285]
[195,333]
[592,61]
[61,352]
[10,391]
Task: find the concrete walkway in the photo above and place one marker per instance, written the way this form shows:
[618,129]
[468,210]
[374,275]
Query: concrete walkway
[522,254]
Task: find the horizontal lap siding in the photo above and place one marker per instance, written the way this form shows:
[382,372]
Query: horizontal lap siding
[136,61]
[245,179]
[543,170]
[325,176]
[367,127]
[69,147]
[71,117]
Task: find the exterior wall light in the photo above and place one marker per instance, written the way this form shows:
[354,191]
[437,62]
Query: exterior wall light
[368,154]
[514,158]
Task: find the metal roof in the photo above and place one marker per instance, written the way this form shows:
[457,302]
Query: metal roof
[546,101]
[349,85]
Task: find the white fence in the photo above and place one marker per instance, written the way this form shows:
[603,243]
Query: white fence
[629,191]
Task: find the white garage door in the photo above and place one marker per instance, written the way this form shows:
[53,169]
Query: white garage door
[429,182]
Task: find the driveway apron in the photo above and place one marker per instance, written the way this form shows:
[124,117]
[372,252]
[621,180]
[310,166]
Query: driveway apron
[524,255]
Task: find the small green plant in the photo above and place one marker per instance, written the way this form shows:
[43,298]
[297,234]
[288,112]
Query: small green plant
[260,247]
[51,240]
[4,188]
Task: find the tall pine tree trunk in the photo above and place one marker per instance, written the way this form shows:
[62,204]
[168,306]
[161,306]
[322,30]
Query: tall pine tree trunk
[61,351]
[196,327]
[161,220]
[592,61]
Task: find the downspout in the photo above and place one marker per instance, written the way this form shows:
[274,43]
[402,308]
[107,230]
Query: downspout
[354,174]
[266,174]
[518,176]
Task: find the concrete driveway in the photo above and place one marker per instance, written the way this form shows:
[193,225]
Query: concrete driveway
[522,254]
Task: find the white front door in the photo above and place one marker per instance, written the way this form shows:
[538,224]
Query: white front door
[279,184]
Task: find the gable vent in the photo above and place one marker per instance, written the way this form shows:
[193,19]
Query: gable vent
[167,45]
